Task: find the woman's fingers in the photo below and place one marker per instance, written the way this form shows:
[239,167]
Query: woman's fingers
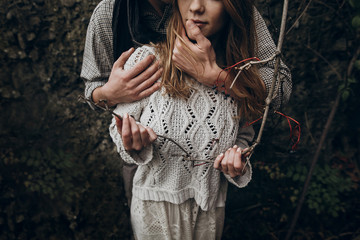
[118,124]
[152,134]
[145,137]
[217,162]
[224,162]
[231,162]
[238,163]
[134,135]
[126,134]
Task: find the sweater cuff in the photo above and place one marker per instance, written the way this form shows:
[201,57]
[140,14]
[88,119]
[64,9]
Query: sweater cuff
[141,157]
[90,87]
[241,181]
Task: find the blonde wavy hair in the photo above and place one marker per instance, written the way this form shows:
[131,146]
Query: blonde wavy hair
[238,42]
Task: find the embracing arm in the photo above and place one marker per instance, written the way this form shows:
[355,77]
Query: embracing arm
[106,80]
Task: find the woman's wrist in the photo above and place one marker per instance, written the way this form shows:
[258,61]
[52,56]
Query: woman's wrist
[223,82]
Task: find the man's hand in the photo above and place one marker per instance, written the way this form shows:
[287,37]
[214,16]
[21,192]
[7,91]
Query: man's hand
[206,69]
[134,135]
[232,162]
[131,85]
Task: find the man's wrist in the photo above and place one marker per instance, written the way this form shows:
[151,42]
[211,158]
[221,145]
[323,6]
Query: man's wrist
[100,96]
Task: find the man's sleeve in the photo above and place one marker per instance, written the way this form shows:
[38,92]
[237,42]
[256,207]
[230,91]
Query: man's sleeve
[267,48]
[98,51]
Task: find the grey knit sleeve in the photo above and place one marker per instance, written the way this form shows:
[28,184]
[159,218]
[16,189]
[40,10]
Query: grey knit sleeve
[244,138]
[98,57]
[266,48]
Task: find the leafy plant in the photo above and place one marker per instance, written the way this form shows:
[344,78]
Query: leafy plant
[326,188]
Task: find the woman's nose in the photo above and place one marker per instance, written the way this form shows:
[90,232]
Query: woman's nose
[197,6]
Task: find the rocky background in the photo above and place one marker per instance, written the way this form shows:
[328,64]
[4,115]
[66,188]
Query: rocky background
[60,177]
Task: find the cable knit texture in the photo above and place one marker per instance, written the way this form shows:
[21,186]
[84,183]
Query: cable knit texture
[163,173]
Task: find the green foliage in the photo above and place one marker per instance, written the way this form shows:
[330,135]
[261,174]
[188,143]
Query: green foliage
[49,194]
[346,88]
[355,4]
[35,188]
[50,173]
[325,190]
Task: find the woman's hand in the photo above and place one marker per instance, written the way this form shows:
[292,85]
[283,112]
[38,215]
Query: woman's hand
[134,135]
[232,162]
[205,70]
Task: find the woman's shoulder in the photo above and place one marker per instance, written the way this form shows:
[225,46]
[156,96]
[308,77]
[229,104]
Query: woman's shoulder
[139,54]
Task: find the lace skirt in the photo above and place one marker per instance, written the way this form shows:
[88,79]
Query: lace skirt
[167,221]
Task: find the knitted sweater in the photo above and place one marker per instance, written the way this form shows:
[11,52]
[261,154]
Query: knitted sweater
[163,174]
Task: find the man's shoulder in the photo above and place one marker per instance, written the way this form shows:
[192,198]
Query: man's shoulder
[103,11]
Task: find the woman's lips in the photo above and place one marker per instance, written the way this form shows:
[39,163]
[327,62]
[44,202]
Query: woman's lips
[199,23]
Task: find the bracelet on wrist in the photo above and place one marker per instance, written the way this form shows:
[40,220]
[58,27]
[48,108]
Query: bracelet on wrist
[219,84]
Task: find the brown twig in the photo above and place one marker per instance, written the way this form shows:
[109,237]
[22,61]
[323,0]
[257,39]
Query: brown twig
[248,65]
[300,16]
[105,108]
[271,93]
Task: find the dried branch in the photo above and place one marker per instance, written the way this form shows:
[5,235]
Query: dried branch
[250,64]
[103,106]
[272,92]
[300,16]
[107,109]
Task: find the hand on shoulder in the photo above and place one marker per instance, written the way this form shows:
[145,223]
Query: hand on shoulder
[130,85]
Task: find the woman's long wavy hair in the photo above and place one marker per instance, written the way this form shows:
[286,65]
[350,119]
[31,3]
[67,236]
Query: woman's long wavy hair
[238,41]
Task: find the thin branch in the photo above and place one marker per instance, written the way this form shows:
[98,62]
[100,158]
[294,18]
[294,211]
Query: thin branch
[325,60]
[250,64]
[272,93]
[275,76]
[319,147]
[352,62]
[313,163]
[308,127]
[107,109]
[300,16]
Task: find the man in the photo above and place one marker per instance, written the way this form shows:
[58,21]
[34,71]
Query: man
[117,25]
[114,27]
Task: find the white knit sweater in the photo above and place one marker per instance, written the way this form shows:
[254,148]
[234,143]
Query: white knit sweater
[194,123]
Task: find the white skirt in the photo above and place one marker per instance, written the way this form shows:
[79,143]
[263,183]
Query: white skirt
[153,220]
